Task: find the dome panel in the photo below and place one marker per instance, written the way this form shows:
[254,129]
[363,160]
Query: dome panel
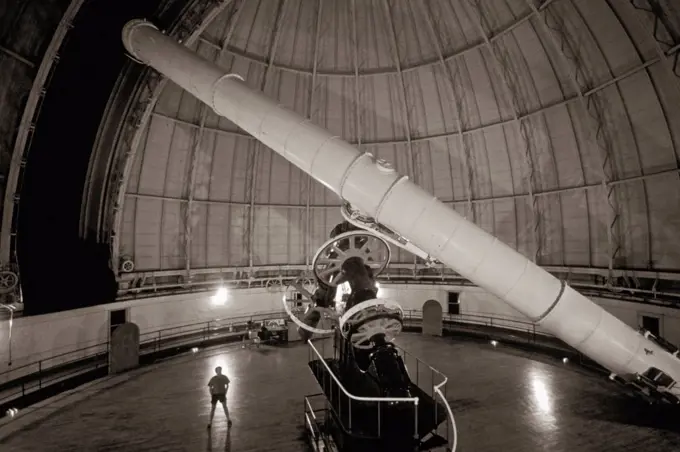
[576,229]
[410,27]
[446,170]
[516,133]
[374,50]
[505,221]
[664,221]
[297,43]
[549,228]
[255,29]
[566,152]
[498,163]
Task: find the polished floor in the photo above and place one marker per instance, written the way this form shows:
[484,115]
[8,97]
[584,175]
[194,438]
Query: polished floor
[503,400]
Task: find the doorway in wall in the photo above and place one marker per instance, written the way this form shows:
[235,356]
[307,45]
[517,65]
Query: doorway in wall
[454,303]
[116,318]
[652,324]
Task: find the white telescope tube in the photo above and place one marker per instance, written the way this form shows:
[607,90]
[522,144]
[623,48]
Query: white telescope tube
[377,190]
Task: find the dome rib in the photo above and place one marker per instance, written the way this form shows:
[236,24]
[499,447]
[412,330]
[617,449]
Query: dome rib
[504,132]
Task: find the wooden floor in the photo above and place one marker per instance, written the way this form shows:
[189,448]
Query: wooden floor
[503,400]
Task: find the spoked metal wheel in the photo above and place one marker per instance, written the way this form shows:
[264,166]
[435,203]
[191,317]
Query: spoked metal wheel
[328,318]
[274,285]
[8,281]
[370,318]
[374,251]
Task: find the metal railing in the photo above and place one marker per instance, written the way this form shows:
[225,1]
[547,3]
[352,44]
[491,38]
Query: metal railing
[417,370]
[488,320]
[517,332]
[28,378]
[313,420]
[438,383]
[153,341]
[379,401]
[23,380]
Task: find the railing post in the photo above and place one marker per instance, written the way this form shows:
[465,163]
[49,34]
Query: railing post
[432,380]
[446,399]
[40,374]
[379,406]
[158,342]
[417,372]
[434,397]
[415,431]
[350,414]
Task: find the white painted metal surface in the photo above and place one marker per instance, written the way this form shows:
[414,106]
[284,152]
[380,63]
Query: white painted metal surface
[393,200]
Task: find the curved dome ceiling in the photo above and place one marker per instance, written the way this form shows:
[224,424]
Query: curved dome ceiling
[556,129]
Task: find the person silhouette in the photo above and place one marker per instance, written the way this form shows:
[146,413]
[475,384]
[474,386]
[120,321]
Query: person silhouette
[219,385]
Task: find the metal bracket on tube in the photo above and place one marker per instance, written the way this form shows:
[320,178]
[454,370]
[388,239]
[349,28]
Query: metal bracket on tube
[363,221]
[135,59]
[217,83]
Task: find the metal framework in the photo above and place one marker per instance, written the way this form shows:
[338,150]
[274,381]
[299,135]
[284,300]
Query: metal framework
[472,130]
[254,157]
[405,108]
[189,208]
[510,81]
[277,277]
[312,110]
[195,153]
[458,100]
[521,114]
[16,56]
[25,134]
[193,23]
[663,31]
[667,50]
[599,133]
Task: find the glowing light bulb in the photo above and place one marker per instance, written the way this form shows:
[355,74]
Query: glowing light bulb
[494,343]
[220,297]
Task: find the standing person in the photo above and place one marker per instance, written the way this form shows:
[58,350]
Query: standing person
[219,385]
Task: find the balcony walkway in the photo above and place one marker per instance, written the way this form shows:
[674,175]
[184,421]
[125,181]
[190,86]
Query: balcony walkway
[502,400]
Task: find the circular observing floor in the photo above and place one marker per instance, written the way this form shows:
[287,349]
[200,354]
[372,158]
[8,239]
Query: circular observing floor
[503,400]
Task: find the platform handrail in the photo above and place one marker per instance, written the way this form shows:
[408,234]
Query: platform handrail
[437,389]
[95,356]
[449,411]
[412,313]
[414,400]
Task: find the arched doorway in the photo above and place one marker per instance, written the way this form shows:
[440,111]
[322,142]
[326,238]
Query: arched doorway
[432,318]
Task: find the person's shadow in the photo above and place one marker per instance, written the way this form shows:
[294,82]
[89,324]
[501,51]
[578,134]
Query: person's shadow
[227,441]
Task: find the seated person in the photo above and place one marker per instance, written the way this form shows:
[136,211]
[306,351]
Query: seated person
[264,334]
[254,338]
[251,337]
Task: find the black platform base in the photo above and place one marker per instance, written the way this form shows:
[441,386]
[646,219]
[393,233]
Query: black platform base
[358,425]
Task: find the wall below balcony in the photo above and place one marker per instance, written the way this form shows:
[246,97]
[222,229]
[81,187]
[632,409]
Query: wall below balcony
[477,301]
[45,336]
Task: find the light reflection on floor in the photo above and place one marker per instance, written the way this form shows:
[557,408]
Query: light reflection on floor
[503,401]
